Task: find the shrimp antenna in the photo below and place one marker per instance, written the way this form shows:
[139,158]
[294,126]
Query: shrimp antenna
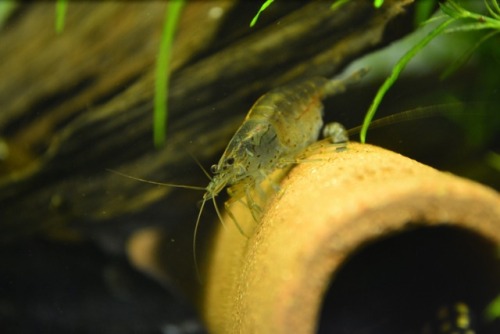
[195,235]
[412,114]
[157,183]
[200,165]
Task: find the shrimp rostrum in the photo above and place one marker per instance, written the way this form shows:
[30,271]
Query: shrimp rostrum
[279,126]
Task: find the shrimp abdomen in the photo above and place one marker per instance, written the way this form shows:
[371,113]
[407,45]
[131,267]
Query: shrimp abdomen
[294,112]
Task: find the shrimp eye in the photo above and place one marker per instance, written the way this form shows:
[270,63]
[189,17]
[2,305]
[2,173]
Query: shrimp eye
[230,161]
[213,169]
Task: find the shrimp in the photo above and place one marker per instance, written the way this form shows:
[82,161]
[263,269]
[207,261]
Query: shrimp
[279,126]
[276,132]
[270,138]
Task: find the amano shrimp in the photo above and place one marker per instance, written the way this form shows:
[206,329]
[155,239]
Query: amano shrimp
[278,129]
[279,126]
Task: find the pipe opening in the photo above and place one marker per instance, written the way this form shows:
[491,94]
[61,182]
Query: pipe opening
[398,284]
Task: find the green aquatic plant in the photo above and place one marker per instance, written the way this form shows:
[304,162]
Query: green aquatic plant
[61,9]
[396,71]
[6,9]
[423,10]
[266,4]
[451,9]
[454,13]
[160,113]
[335,5]
[162,75]
[338,3]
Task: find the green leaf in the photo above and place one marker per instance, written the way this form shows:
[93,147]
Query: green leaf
[378,3]
[338,3]
[453,10]
[466,56]
[162,74]
[398,68]
[262,8]
[6,9]
[472,27]
[496,6]
[423,10]
[61,8]
[493,13]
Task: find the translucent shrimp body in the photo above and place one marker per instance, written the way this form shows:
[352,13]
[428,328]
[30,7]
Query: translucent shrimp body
[279,126]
